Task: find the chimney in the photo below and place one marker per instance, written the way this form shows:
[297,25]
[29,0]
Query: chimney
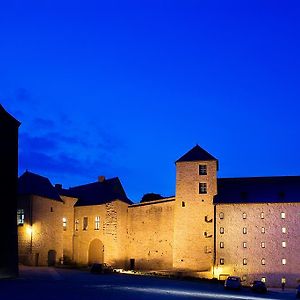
[101,178]
[58,186]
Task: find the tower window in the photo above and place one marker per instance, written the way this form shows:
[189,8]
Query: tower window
[244,230]
[76,224]
[283,230]
[282,215]
[221,261]
[221,230]
[182,204]
[244,216]
[263,279]
[221,215]
[221,244]
[263,244]
[64,223]
[20,217]
[262,215]
[263,230]
[245,261]
[85,223]
[283,244]
[283,261]
[97,223]
[202,188]
[263,261]
[244,244]
[202,170]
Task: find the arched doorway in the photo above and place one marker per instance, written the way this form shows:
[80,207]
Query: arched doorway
[96,252]
[51,257]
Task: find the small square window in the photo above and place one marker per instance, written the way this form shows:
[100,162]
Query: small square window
[283,261]
[221,230]
[263,230]
[283,230]
[221,261]
[263,244]
[221,215]
[245,261]
[263,261]
[202,170]
[263,279]
[283,244]
[244,230]
[262,215]
[283,280]
[202,188]
[244,244]
[244,216]
[221,244]
[282,215]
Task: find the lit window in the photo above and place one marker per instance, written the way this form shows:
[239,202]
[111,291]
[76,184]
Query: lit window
[64,223]
[221,230]
[85,223]
[244,277]
[76,224]
[283,244]
[182,204]
[221,215]
[244,215]
[221,261]
[283,230]
[282,215]
[263,230]
[263,279]
[221,244]
[97,223]
[244,230]
[202,188]
[263,244]
[20,217]
[283,261]
[245,261]
[202,170]
[263,261]
[283,280]
[262,215]
[245,245]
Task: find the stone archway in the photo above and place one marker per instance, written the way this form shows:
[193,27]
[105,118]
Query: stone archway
[96,252]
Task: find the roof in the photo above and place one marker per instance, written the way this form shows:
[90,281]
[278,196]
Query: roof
[6,117]
[196,154]
[98,192]
[33,184]
[258,190]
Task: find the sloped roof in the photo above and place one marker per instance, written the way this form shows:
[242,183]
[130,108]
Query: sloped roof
[34,184]
[5,116]
[98,192]
[196,154]
[258,190]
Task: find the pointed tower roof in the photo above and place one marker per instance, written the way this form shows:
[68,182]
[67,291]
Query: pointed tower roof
[6,117]
[195,154]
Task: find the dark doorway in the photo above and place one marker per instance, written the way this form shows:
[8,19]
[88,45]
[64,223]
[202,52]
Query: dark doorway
[51,257]
[132,263]
[96,252]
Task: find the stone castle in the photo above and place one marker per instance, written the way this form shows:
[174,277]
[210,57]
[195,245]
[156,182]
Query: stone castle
[213,227]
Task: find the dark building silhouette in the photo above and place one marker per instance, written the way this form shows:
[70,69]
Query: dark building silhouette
[8,196]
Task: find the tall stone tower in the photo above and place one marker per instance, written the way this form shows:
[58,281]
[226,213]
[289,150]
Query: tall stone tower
[196,185]
[8,195]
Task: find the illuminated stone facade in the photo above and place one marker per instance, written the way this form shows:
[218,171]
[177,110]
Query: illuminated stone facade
[211,228]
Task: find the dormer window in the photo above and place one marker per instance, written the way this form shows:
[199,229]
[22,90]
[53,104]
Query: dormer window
[202,169]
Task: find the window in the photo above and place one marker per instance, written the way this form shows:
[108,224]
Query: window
[244,277]
[244,216]
[51,209]
[245,261]
[283,244]
[263,261]
[76,224]
[244,230]
[263,230]
[221,261]
[283,280]
[85,223]
[221,215]
[262,215]
[283,261]
[208,220]
[202,170]
[202,188]
[263,244]
[64,223]
[282,215]
[263,279]
[221,230]
[221,244]
[20,217]
[283,230]
[244,244]
[207,249]
[97,223]
[182,204]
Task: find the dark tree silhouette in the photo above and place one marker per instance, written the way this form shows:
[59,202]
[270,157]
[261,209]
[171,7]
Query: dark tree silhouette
[151,197]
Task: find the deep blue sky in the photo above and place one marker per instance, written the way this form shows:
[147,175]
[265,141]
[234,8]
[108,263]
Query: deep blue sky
[124,88]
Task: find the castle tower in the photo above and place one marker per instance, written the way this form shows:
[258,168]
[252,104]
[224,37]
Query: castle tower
[196,185]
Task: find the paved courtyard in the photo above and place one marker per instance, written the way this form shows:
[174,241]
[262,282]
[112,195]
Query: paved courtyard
[45,283]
